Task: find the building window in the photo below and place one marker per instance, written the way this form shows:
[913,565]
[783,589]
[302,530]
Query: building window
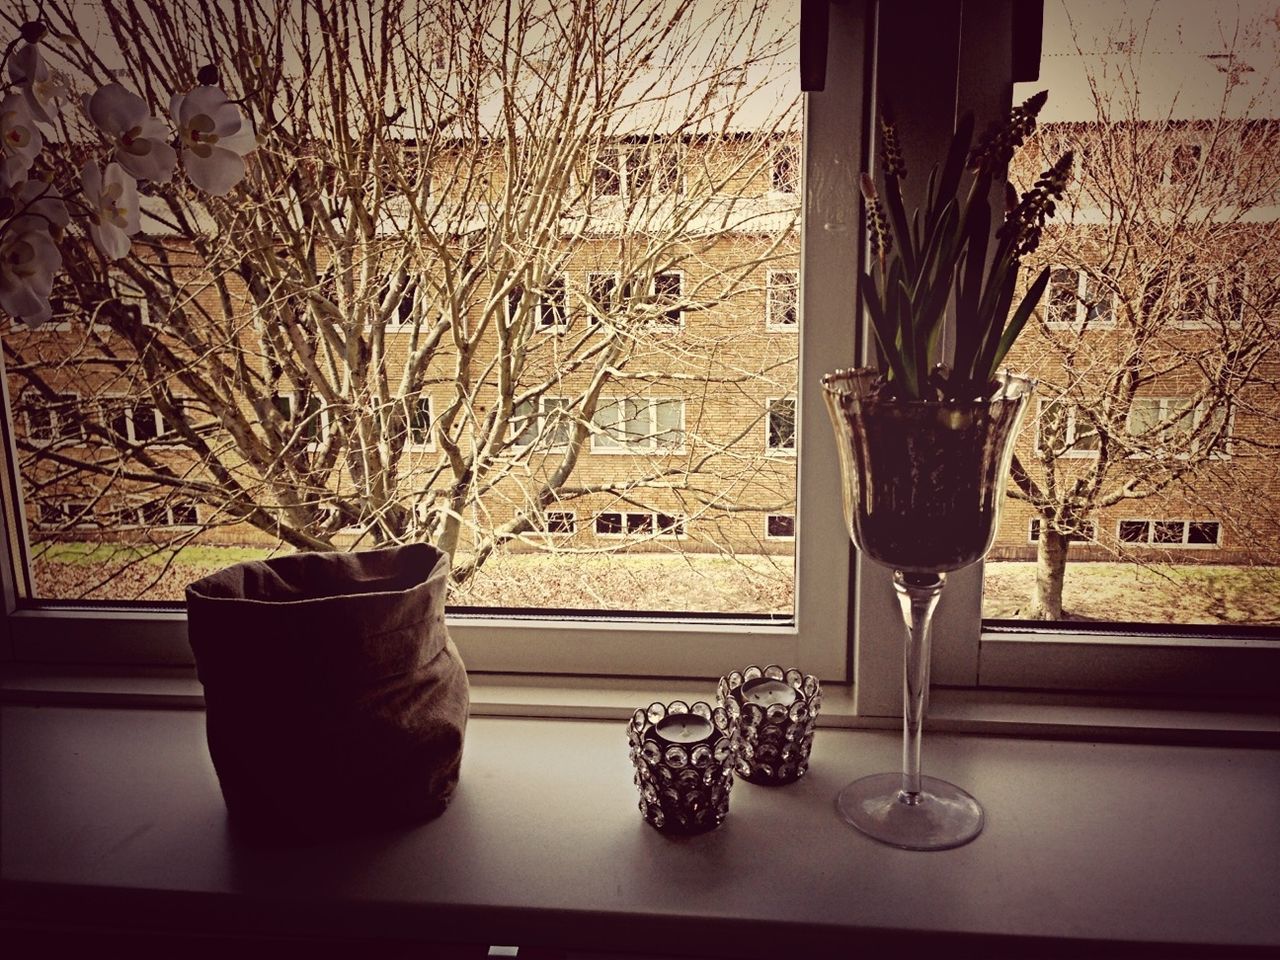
[639,170]
[61,514]
[138,421]
[548,417]
[419,423]
[305,421]
[1086,532]
[639,523]
[782,291]
[561,522]
[553,311]
[602,296]
[1175,427]
[1075,298]
[52,421]
[780,435]
[668,288]
[780,526]
[1062,432]
[784,172]
[1183,164]
[1170,533]
[638,425]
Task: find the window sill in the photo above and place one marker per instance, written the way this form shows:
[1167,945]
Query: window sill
[1092,717]
[113,817]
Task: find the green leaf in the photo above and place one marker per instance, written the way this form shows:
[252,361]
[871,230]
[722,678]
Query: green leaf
[995,329]
[969,322]
[954,165]
[898,219]
[1028,304]
[883,329]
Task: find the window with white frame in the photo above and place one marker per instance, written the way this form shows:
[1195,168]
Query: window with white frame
[419,423]
[638,425]
[639,170]
[668,291]
[155,513]
[64,514]
[137,420]
[1077,298]
[782,293]
[1063,431]
[784,171]
[553,307]
[1170,533]
[603,295]
[780,426]
[563,522]
[639,524]
[780,526]
[546,422]
[52,420]
[306,421]
[1177,427]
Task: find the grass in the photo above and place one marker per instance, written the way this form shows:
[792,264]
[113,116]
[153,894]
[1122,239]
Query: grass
[1200,594]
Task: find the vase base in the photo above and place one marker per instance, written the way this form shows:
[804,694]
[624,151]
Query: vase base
[942,815]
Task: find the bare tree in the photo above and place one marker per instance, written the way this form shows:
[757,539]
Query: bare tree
[474,237]
[1158,336]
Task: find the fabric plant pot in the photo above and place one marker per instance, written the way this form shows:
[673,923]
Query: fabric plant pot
[336,701]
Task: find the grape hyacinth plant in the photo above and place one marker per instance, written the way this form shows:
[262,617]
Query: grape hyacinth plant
[939,256]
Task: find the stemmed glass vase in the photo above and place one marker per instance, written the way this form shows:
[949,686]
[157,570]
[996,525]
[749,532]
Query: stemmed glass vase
[923,481]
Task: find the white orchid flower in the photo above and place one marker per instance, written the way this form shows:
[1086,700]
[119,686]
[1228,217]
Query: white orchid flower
[215,138]
[40,202]
[40,86]
[20,140]
[28,260]
[112,197]
[140,139]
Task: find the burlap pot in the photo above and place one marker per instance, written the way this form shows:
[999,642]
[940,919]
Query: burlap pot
[336,701]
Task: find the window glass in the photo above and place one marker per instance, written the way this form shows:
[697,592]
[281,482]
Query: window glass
[439,331]
[1143,485]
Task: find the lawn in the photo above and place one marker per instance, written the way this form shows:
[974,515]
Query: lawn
[705,583]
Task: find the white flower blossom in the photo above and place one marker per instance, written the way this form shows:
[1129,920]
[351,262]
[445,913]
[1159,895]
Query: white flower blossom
[112,197]
[139,138]
[215,138]
[20,140]
[28,260]
[38,201]
[40,86]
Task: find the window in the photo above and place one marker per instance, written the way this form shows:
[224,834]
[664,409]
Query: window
[1061,430]
[668,288]
[549,428]
[562,522]
[61,514]
[305,421]
[780,526]
[639,170]
[419,422]
[638,425]
[1170,533]
[639,524]
[137,421]
[155,513]
[52,421]
[1176,427]
[602,294]
[1075,298]
[780,426]
[784,172]
[783,296]
[553,313]
[1082,533]
[1184,163]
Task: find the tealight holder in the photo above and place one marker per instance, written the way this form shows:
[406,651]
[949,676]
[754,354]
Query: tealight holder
[684,758]
[777,709]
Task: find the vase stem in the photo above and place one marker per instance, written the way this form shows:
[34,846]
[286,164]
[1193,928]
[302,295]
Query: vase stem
[918,596]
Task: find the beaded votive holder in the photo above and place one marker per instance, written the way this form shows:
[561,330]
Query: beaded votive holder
[777,710]
[684,758]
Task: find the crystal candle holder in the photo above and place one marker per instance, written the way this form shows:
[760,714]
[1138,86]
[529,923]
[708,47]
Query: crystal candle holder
[683,757]
[775,711]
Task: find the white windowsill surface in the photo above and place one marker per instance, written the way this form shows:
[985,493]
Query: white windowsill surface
[115,814]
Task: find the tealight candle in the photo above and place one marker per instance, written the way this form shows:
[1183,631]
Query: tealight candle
[765,692]
[683,728]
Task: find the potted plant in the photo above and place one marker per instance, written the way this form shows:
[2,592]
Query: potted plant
[925,445]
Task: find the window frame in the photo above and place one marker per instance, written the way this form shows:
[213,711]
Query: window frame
[785,450]
[414,405]
[653,445]
[1080,304]
[771,297]
[828,636]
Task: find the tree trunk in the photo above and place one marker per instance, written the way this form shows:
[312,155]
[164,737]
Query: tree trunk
[1051,567]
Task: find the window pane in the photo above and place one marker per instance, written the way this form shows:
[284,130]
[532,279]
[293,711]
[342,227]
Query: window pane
[384,369]
[1143,491]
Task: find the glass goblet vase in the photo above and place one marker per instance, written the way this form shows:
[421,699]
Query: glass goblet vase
[922,485]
